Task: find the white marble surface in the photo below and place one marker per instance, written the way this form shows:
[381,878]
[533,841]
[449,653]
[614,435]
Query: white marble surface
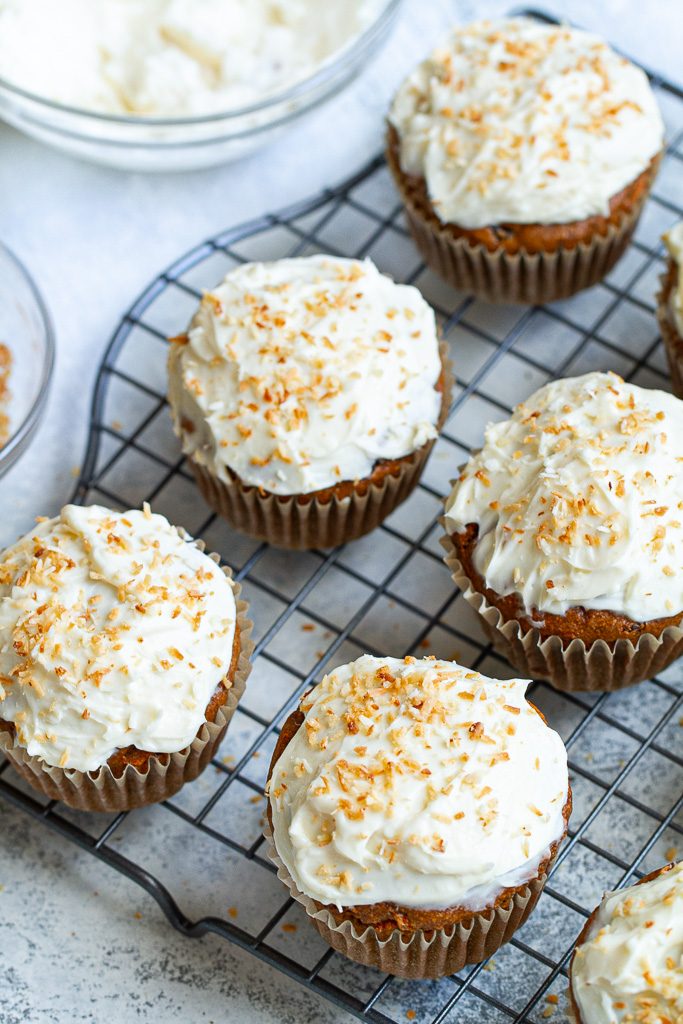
[72,946]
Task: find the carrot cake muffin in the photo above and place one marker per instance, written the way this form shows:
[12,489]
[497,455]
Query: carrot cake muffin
[670,306]
[416,807]
[523,153]
[567,527]
[121,657]
[628,963]
[308,394]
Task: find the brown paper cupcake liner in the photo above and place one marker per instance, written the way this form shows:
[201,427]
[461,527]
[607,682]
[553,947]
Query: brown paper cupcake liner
[307,521]
[425,954]
[164,775]
[599,667]
[528,278]
[673,343]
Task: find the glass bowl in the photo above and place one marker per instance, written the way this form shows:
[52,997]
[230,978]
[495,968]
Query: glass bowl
[26,330]
[163,144]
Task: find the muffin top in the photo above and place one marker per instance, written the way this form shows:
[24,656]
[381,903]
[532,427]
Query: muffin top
[577,500]
[114,631]
[630,966]
[417,782]
[514,121]
[673,240]
[302,373]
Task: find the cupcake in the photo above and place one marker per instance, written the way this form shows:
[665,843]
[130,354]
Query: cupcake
[628,962]
[565,533]
[307,397]
[670,306]
[123,654]
[523,153]
[415,809]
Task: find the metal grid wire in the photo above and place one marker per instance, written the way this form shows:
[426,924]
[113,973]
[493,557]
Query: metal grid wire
[389,593]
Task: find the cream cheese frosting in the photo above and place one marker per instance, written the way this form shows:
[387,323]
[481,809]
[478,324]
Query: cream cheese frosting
[171,58]
[578,500]
[303,373]
[514,121]
[673,241]
[114,631]
[417,782]
[630,966]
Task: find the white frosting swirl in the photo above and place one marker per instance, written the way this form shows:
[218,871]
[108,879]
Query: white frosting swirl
[420,783]
[630,967]
[114,631]
[514,121]
[172,58]
[673,241]
[578,500]
[303,373]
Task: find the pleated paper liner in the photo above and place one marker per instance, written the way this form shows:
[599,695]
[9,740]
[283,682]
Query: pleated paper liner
[673,342]
[164,775]
[573,1005]
[528,278]
[599,667]
[306,521]
[426,954]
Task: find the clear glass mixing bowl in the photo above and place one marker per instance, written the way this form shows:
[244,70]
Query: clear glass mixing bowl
[26,330]
[161,144]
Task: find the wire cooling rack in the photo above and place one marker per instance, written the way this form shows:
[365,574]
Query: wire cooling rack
[389,593]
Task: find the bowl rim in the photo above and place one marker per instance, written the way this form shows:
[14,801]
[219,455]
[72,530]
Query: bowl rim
[12,448]
[348,53]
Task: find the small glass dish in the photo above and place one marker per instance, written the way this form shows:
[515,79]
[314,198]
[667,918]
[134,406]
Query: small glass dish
[188,143]
[26,330]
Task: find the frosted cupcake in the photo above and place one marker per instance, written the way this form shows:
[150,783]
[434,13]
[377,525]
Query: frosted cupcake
[628,962]
[670,306]
[307,396]
[123,654]
[565,532]
[416,808]
[523,153]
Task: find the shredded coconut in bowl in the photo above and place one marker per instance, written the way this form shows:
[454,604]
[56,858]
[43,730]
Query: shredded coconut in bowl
[171,58]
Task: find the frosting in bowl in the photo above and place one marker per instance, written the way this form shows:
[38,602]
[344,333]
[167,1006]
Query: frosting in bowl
[673,241]
[172,58]
[630,965]
[577,498]
[417,782]
[517,122]
[303,373]
[114,631]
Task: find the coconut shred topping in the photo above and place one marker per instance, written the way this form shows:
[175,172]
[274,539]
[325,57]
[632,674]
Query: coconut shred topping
[578,500]
[514,121]
[630,967]
[674,242]
[114,631]
[171,58]
[417,782]
[300,374]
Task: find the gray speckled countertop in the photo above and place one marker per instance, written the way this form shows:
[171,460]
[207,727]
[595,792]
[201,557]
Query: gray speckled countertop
[78,942]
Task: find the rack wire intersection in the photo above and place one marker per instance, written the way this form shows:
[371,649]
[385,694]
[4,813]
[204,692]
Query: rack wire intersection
[389,593]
